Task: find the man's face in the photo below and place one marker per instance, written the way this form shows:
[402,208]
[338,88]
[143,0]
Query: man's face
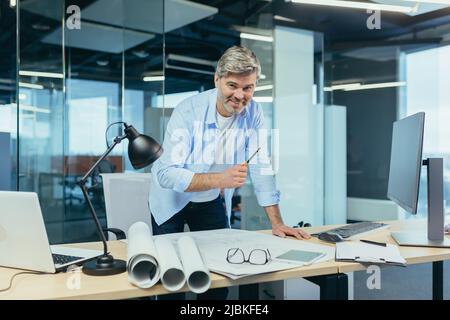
[234,92]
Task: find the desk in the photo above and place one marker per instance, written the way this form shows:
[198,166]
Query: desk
[336,284]
[328,275]
[54,286]
[412,255]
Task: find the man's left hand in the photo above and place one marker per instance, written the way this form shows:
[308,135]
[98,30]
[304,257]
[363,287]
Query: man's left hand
[283,231]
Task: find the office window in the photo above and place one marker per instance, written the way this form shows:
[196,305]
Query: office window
[370,114]
[171,100]
[5,118]
[133,113]
[427,75]
[89,117]
[93,105]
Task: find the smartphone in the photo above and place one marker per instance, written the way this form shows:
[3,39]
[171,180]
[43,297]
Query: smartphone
[299,257]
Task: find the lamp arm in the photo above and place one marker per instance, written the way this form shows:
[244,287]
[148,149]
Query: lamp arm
[82,184]
[94,216]
[117,140]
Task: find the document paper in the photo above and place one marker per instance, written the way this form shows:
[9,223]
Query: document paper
[370,253]
[214,245]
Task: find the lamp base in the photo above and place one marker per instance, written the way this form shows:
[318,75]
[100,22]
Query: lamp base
[105,265]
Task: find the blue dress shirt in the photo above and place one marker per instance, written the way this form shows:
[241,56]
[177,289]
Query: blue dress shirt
[189,148]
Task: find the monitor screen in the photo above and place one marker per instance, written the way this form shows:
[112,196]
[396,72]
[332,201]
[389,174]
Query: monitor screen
[406,161]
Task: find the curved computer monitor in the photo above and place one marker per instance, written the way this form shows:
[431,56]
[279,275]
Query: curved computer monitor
[406,161]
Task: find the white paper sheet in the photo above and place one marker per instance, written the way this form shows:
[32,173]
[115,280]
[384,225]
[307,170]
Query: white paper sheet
[197,274]
[214,245]
[365,252]
[207,251]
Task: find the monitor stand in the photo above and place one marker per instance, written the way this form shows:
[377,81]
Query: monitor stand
[435,187]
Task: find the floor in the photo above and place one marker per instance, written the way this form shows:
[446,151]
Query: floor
[397,283]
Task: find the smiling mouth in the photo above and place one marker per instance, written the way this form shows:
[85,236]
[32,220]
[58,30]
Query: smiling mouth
[234,103]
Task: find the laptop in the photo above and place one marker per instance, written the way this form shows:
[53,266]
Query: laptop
[23,238]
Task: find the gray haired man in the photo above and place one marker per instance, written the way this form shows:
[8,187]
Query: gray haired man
[179,183]
[204,159]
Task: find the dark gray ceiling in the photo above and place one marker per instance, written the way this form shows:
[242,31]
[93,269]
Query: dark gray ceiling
[206,39]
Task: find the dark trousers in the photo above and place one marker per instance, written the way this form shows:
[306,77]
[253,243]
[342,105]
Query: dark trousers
[198,216]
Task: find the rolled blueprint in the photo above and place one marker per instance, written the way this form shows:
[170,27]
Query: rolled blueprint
[142,261]
[172,275]
[197,274]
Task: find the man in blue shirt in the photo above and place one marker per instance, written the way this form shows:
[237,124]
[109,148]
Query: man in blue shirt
[198,161]
[209,138]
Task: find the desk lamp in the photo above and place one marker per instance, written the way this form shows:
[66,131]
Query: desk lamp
[142,151]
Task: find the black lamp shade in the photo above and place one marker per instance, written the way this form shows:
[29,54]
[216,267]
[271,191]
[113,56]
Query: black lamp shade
[142,150]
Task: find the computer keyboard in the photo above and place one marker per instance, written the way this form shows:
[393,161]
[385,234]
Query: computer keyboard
[354,229]
[63,259]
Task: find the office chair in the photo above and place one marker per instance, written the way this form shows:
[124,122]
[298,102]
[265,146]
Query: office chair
[126,201]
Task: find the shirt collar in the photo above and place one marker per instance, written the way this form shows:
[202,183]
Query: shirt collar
[211,113]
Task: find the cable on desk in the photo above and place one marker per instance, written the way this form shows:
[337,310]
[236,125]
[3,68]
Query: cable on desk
[19,273]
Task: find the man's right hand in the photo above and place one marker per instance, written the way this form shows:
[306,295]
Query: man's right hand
[233,177]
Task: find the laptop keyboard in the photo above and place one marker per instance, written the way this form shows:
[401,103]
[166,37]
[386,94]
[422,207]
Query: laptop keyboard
[63,259]
[356,228]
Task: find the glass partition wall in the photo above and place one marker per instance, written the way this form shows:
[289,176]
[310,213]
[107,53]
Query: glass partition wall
[85,64]
[8,97]
[378,85]
[40,109]
[81,67]
[426,71]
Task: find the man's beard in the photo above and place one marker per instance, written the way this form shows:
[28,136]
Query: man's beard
[232,110]
[229,108]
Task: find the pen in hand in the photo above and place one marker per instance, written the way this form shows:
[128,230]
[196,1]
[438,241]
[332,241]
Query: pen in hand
[254,154]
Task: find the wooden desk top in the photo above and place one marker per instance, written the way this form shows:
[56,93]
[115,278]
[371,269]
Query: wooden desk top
[55,286]
[413,255]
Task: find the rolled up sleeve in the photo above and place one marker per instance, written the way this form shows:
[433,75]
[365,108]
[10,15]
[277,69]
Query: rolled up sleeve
[170,168]
[264,186]
[268,198]
[177,179]
[262,178]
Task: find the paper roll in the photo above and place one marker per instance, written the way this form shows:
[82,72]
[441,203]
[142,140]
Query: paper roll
[197,274]
[142,261]
[172,274]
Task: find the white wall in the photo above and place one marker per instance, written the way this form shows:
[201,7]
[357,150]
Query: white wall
[5,147]
[5,161]
[361,209]
[335,165]
[300,173]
